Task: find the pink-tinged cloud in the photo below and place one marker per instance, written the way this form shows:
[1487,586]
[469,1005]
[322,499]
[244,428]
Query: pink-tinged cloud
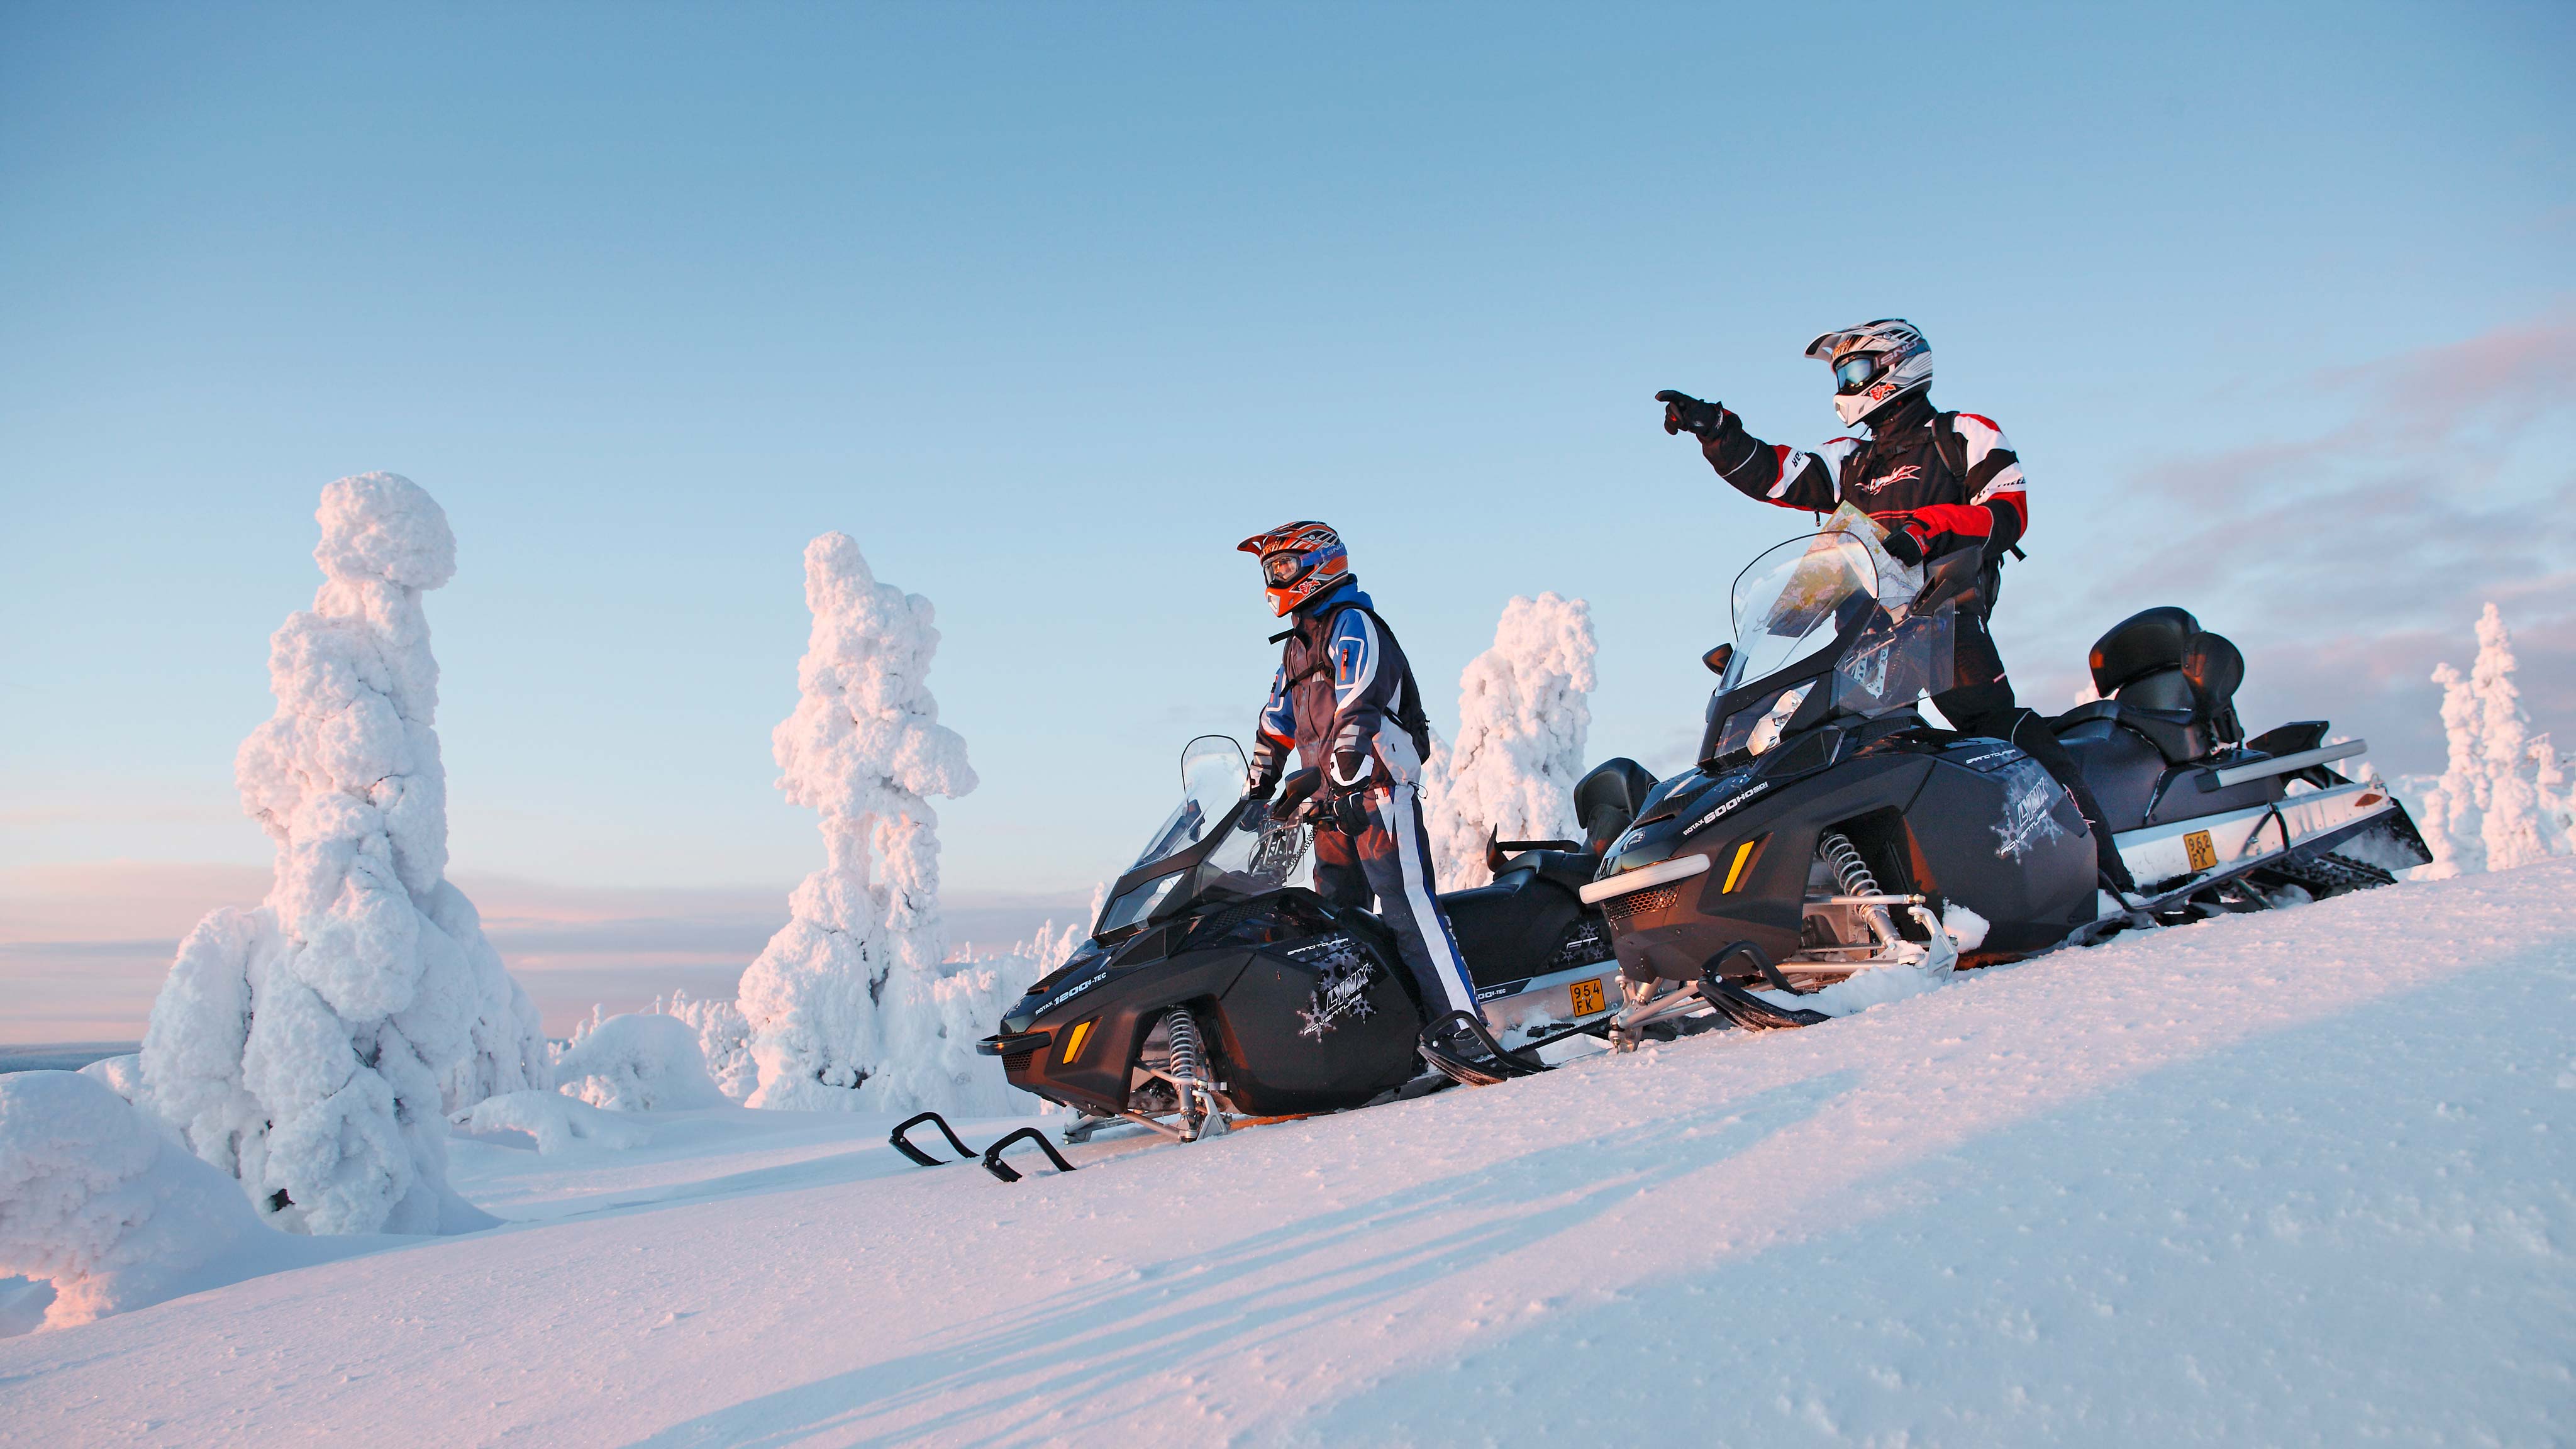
[2345,564]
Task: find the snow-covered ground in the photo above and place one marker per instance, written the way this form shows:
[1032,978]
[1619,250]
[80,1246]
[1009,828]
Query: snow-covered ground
[2303,1178]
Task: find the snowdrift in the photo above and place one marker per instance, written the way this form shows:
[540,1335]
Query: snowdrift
[102,1205]
[2300,1177]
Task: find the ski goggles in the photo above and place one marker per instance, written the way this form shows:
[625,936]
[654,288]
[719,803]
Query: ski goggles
[1855,372]
[1282,568]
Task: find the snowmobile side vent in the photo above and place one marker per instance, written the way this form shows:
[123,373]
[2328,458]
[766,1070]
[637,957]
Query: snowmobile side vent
[964,1152]
[1642,903]
[994,1164]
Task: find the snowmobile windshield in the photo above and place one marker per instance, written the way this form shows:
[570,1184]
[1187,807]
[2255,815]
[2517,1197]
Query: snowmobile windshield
[1824,592]
[1211,783]
[1214,841]
[1797,599]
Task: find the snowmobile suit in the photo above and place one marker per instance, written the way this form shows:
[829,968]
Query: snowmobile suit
[1954,482]
[1345,697]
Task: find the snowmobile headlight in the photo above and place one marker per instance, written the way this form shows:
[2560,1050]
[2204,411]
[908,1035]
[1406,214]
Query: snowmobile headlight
[1756,728]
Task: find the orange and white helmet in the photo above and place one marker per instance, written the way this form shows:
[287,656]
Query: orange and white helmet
[1298,561]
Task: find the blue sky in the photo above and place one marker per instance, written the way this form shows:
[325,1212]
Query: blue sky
[1048,305]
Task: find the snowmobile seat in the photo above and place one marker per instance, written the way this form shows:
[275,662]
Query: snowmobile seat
[1508,930]
[2168,680]
[1606,801]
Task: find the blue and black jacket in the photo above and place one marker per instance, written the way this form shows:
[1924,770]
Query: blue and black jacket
[1344,687]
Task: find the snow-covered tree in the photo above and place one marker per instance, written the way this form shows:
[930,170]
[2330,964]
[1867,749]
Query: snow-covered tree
[2511,830]
[2451,806]
[841,1003]
[1523,713]
[313,1047]
[2497,804]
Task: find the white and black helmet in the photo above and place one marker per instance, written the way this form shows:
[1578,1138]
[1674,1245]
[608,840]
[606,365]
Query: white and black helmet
[1874,364]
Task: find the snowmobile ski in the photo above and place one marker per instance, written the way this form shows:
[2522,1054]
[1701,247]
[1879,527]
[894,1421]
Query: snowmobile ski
[904,1146]
[994,1164]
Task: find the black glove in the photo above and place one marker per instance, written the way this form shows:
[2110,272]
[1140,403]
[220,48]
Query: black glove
[1350,812]
[1904,542]
[1686,414]
[1268,760]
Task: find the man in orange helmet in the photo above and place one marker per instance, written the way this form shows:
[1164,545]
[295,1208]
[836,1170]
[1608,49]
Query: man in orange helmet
[1345,700]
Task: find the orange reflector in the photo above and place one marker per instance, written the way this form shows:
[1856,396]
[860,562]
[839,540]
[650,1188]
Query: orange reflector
[1743,857]
[1073,1043]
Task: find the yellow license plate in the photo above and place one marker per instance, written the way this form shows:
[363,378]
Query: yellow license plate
[1587,997]
[2203,854]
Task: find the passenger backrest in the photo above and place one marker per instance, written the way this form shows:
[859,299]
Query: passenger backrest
[2214,667]
[1607,800]
[2146,643]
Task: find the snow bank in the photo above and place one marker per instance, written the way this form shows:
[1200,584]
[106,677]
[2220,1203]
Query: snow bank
[312,1048]
[2295,1178]
[121,1075]
[841,1003]
[2498,803]
[1523,713]
[724,1040]
[97,1200]
[554,1121]
[637,1063]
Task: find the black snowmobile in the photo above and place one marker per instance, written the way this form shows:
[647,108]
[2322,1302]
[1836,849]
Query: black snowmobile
[1215,987]
[1829,829]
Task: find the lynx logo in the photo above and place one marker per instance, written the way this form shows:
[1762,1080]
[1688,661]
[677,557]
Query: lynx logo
[1887,480]
[1704,820]
[1341,990]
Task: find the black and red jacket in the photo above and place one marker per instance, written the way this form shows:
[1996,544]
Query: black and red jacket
[1950,476]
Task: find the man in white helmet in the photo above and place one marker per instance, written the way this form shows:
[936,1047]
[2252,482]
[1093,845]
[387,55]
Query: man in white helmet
[1940,483]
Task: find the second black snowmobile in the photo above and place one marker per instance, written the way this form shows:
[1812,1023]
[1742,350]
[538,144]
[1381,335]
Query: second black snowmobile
[1830,828]
[1215,987]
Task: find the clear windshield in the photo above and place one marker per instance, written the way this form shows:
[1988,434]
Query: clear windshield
[1256,853]
[1806,595]
[1796,599]
[1212,779]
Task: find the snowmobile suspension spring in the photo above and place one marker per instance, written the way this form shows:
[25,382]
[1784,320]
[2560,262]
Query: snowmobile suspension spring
[1188,1069]
[1188,1064]
[1857,880]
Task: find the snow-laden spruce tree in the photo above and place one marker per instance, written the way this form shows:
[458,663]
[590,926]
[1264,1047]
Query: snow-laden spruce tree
[313,1047]
[2496,805]
[841,1002]
[1523,712]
